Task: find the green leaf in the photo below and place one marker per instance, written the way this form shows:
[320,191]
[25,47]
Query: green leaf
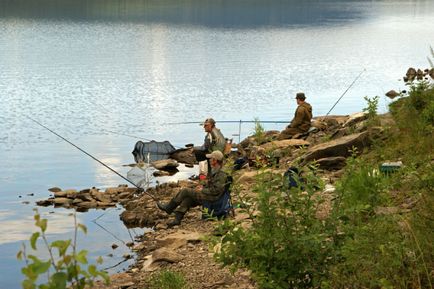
[105,276]
[28,284]
[82,227]
[67,259]
[28,272]
[43,225]
[92,270]
[61,245]
[58,280]
[99,260]
[41,267]
[20,255]
[33,240]
[81,257]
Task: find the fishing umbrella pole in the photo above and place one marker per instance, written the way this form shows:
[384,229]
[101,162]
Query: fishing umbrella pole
[80,149]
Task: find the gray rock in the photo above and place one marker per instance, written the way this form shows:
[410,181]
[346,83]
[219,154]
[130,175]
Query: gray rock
[339,147]
[332,163]
[184,156]
[392,94]
[45,203]
[160,173]
[87,205]
[62,201]
[165,164]
[60,194]
[86,196]
[355,118]
[101,197]
[106,204]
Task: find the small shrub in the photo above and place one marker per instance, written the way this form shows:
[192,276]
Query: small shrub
[259,132]
[69,266]
[371,109]
[168,280]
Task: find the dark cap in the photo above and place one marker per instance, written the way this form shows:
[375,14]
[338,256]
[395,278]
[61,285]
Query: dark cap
[300,95]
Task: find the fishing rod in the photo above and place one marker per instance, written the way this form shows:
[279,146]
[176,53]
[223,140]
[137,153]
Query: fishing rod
[140,138]
[354,81]
[231,121]
[80,149]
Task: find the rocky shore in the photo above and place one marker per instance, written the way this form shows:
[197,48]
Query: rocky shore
[184,248]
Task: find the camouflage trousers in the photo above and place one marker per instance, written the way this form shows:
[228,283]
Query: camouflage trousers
[188,198]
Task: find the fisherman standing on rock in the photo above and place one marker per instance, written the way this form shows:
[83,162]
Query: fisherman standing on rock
[301,121]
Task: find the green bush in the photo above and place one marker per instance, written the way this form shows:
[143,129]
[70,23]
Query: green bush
[360,190]
[286,246]
[69,266]
[168,280]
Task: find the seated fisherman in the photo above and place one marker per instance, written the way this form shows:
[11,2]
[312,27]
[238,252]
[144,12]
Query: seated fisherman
[301,121]
[211,191]
[214,141]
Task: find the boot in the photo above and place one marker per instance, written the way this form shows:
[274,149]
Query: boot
[168,208]
[178,218]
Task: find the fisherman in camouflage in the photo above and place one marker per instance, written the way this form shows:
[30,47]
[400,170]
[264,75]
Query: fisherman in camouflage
[214,140]
[211,191]
[301,121]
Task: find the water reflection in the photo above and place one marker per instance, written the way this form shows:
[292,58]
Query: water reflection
[209,13]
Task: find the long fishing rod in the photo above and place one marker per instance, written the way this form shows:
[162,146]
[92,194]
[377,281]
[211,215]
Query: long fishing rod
[140,138]
[231,121]
[352,83]
[140,189]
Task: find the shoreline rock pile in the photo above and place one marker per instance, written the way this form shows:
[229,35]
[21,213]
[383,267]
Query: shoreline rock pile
[88,198]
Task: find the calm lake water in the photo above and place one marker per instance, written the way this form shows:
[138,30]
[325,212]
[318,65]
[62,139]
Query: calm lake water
[93,70]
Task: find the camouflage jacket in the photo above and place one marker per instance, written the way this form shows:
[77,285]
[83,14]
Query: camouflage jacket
[214,141]
[215,186]
[302,117]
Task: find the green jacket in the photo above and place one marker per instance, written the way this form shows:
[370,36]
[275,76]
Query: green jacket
[215,186]
[302,117]
[214,141]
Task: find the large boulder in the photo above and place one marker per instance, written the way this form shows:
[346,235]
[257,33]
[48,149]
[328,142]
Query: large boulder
[340,147]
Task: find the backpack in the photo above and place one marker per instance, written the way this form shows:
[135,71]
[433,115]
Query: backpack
[292,176]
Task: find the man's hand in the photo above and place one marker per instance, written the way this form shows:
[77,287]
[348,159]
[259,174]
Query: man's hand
[198,188]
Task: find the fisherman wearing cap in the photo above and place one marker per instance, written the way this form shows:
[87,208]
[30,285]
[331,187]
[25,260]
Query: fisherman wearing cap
[211,191]
[301,121]
[214,141]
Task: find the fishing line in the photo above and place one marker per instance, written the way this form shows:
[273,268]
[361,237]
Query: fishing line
[80,149]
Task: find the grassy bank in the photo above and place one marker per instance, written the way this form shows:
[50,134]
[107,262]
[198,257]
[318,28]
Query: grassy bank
[379,231]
